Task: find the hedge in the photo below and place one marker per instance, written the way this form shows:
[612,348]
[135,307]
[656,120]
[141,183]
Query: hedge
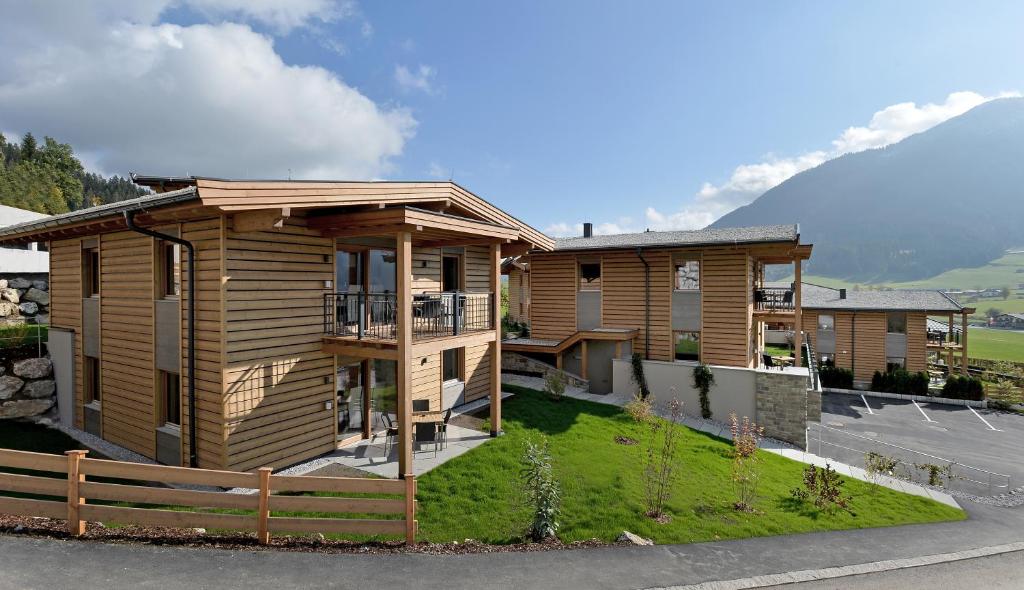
[900,381]
[961,387]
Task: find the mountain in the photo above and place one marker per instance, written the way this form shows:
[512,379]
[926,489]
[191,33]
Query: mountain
[949,197]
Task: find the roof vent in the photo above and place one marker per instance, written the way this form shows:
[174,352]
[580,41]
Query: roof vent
[842,293]
[588,230]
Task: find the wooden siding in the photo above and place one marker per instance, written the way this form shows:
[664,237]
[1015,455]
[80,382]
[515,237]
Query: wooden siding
[206,237]
[518,295]
[126,341]
[726,307]
[622,298]
[553,313]
[276,379]
[478,371]
[917,340]
[869,346]
[426,270]
[477,269]
[66,303]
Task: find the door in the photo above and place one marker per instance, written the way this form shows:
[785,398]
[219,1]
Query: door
[451,282]
[352,410]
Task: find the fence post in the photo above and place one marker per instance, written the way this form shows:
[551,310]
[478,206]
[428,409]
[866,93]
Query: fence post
[410,509]
[76,526]
[263,513]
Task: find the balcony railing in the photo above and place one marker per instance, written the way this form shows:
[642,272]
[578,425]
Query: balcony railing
[434,315]
[773,299]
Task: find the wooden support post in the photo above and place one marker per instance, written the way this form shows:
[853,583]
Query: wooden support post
[798,327]
[949,346]
[558,361]
[495,286]
[76,526]
[583,359]
[411,524]
[963,342]
[403,248]
[618,349]
[263,512]
[367,410]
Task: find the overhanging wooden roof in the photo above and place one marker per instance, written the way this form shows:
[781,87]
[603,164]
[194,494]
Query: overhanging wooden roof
[428,228]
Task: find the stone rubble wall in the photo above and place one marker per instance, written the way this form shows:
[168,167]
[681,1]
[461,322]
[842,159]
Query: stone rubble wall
[784,405]
[27,387]
[515,363]
[24,301]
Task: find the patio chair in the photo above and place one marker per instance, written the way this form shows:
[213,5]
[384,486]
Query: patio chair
[426,432]
[390,431]
[767,361]
[443,428]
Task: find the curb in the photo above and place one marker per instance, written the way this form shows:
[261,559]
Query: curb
[832,573]
[904,396]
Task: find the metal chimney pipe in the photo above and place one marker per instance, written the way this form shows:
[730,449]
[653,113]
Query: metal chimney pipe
[588,230]
[842,293]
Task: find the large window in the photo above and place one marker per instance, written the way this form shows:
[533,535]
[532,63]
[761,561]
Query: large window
[170,269]
[383,269]
[349,271]
[687,275]
[687,346]
[90,272]
[451,364]
[590,276]
[893,363]
[91,379]
[826,322]
[896,323]
[170,398]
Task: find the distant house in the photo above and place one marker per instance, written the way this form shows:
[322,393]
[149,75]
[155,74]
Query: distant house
[28,259]
[1013,321]
[868,331]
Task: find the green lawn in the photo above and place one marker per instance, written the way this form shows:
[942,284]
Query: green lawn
[997,345]
[25,436]
[476,495]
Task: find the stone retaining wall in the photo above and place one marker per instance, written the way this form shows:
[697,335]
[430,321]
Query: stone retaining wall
[784,405]
[512,362]
[27,387]
[24,300]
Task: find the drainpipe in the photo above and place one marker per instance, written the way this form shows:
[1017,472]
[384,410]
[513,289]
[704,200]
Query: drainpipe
[647,303]
[129,218]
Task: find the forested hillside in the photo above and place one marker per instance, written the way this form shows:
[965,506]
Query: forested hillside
[48,178]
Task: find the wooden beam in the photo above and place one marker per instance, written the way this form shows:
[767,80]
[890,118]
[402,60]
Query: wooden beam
[403,250]
[357,349]
[495,285]
[362,232]
[798,328]
[261,220]
[583,359]
[436,345]
[963,342]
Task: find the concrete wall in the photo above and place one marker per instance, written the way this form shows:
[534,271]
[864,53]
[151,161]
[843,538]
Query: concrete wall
[733,390]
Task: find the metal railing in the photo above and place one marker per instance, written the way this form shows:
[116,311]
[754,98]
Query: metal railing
[773,299]
[813,380]
[434,315]
[911,465]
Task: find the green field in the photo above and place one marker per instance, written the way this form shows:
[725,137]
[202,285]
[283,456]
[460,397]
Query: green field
[1002,272]
[997,345]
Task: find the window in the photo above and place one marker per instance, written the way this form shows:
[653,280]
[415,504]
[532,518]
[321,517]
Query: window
[349,271]
[687,346]
[451,364]
[170,398]
[90,272]
[897,323]
[170,269]
[91,379]
[688,276]
[826,323]
[590,276]
[895,362]
[826,360]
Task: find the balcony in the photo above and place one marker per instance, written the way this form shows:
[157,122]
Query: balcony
[774,299]
[374,316]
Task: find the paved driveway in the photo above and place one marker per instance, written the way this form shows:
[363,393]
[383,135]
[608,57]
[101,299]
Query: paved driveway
[984,439]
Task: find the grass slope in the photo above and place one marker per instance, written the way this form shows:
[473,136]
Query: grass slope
[996,345]
[476,495]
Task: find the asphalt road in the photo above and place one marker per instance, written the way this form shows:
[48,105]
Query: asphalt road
[981,438]
[996,572]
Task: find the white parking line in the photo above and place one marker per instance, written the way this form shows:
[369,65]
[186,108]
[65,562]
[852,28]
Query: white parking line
[865,400]
[922,411]
[990,427]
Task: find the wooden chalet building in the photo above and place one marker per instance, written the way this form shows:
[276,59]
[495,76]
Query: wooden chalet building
[518,272]
[868,331]
[672,295]
[318,307]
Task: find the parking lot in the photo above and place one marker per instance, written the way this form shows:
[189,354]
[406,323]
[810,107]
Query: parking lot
[919,433]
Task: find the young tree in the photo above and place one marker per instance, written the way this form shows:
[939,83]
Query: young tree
[28,146]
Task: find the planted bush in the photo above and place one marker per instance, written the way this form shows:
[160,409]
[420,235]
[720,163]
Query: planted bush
[703,379]
[832,376]
[543,494]
[637,363]
[900,381]
[963,387]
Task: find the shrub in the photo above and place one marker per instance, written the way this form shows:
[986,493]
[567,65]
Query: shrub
[832,376]
[554,385]
[824,488]
[963,387]
[746,436]
[637,362]
[639,409]
[876,465]
[703,379]
[937,474]
[900,381]
[659,467]
[541,489]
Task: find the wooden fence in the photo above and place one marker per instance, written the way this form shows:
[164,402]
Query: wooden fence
[78,490]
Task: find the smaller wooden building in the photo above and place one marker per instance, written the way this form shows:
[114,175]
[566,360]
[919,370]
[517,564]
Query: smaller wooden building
[518,272]
[868,331]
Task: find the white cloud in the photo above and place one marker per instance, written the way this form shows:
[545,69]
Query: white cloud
[567,230]
[749,181]
[420,78]
[281,16]
[438,171]
[214,99]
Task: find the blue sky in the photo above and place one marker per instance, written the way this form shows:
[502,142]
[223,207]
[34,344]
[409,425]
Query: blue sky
[563,112]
